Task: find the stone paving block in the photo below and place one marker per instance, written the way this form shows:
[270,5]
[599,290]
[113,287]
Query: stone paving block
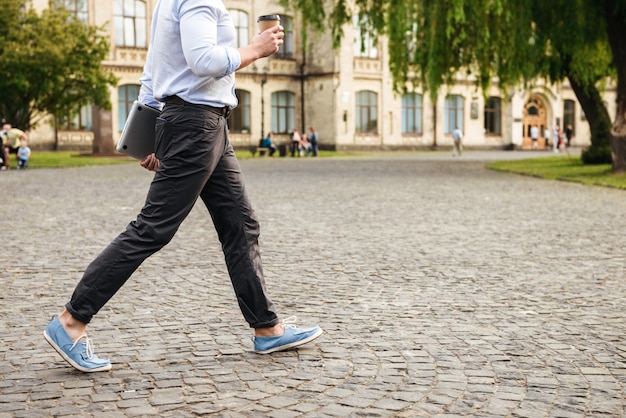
[305,407]
[337,410]
[65,410]
[33,413]
[444,289]
[283,414]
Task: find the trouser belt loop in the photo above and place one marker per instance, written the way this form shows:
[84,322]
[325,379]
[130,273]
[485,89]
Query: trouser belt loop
[222,111]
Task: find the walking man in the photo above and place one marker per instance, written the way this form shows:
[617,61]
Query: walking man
[189,72]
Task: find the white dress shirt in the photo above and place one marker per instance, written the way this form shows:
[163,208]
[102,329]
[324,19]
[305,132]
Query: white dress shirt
[191,54]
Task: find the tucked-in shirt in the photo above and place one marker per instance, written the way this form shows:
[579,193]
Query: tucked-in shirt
[191,54]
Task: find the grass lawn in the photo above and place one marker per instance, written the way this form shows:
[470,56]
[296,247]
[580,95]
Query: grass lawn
[563,168]
[58,159]
[559,167]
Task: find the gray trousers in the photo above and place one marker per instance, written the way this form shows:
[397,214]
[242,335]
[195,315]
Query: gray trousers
[197,160]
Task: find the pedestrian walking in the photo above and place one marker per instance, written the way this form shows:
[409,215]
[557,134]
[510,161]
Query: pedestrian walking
[457,138]
[189,72]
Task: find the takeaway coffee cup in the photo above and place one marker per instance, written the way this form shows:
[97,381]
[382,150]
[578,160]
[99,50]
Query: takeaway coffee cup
[268,21]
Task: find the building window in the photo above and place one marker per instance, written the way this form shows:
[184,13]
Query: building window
[569,114]
[411,113]
[239,119]
[77,121]
[453,113]
[286,49]
[241,21]
[77,7]
[366,111]
[126,95]
[130,23]
[364,40]
[493,116]
[283,112]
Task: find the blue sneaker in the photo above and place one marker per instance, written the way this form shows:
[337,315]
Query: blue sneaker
[77,353]
[293,337]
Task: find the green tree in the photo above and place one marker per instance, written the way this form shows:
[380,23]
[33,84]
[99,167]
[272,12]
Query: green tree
[614,13]
[51,64]
[433,41]
[574,49]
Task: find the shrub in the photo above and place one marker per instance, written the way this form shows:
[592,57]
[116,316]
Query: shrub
[596,155]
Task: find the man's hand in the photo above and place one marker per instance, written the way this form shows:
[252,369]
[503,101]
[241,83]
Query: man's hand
[263,45]
[151,162]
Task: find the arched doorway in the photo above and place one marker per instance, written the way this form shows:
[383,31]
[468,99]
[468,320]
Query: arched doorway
[534,115]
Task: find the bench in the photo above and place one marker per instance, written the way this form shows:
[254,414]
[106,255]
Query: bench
[261,150]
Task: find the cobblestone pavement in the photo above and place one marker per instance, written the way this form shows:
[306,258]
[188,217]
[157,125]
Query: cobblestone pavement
[444,289]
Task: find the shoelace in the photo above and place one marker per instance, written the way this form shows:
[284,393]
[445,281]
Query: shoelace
[290,322]
[88,345]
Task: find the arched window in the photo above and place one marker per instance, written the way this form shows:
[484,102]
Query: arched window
[286,49]
[453,113]
[283,112]
[242,23]
[493,116]
[78,8]
[239,119]
[126,95]
[411,113]
[130,23]
[366,111]
[569,114]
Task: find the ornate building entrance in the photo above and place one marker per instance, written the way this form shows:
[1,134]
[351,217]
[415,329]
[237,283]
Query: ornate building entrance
[534,115]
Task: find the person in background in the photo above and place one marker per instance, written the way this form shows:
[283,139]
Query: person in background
[569,133]
[558,140]
[295,142]
[534,136]
[547,136]
[305,146]
[268,143]
[23,153]
[10,142]
[190,74]
[313,137]
[457,138]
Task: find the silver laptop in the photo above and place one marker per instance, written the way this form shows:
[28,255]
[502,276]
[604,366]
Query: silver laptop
[137,138]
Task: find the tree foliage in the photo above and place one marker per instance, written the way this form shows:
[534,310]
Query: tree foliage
[51,64]
[432,42]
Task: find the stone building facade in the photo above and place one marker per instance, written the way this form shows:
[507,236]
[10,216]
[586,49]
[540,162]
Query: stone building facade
[346,93]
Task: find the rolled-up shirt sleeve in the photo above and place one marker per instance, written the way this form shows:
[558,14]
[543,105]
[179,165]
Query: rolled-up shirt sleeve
[200,43]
